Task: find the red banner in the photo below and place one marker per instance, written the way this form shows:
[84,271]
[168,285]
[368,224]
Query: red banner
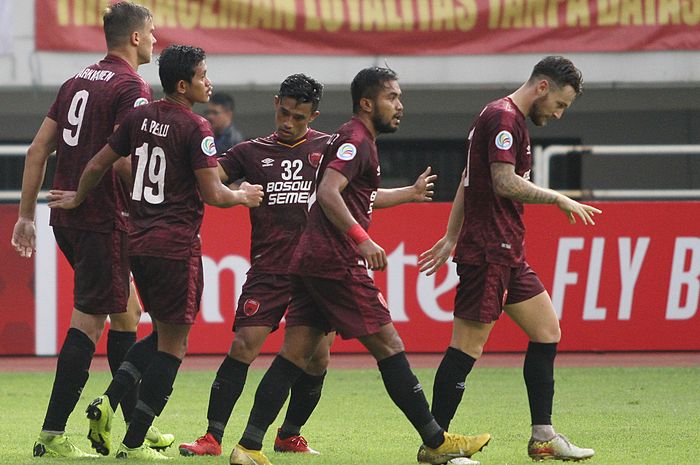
[388,27]
[631,282]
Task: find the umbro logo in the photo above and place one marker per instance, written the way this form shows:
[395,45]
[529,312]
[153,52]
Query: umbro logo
[267,162]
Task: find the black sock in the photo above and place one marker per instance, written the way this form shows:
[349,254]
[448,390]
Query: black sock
[407,393]
[156,387]
[225,391]
[136,433]
[269,399]
[449,385]
[306,392]
[538,372]
[118,344]
[72,371]
[135,364]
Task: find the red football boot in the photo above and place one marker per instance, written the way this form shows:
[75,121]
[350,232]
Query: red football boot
[205,445]
[293,444]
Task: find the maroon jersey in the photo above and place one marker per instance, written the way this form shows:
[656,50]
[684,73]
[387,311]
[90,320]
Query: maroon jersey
[287,174]
[168,142]
[323,249]
[86,109]
[493,229]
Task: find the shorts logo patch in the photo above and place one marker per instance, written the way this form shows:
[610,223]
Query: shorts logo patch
[315,159]
[346,152]
[504,140]
[382,300]
[251,307]
[208,146]
[140,101]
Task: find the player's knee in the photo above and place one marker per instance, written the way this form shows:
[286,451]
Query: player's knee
[383,345]
[395,344]
[473,350]
[319,362]
[299,356]
[547,335]
[244,349]
[90,325]
[555,334]
[127,321]
[175,346]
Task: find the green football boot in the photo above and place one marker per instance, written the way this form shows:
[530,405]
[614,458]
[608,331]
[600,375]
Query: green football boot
[100,414]
[157,440]
[57,445]
[143,453]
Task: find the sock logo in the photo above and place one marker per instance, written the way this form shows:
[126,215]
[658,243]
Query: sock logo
[417,388]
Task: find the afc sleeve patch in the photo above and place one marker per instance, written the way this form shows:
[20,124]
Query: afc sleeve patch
[504,140]
[208,146]
[346,152]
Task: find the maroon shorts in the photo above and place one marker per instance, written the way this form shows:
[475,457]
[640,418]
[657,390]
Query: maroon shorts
[170,290]
[353,307]
[484,289]
[101,269]
[264,299]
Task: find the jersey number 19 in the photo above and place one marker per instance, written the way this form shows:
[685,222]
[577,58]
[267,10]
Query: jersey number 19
[156,175]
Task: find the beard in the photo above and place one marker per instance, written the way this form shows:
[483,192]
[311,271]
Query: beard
[536,114]
[383,127]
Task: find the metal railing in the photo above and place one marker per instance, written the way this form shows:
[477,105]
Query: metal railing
[543,175]
[541,169]
[15,151]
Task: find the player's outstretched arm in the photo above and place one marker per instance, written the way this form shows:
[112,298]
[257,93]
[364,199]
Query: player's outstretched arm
[508,184]
[431,260]
[572,209]
[44,143]
[93,172]
[329,198]
[214,193]
[421,191]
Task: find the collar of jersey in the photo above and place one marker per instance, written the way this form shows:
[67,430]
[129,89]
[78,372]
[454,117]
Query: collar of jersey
[291,146]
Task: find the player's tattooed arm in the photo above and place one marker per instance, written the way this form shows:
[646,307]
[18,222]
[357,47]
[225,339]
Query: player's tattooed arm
[508,184]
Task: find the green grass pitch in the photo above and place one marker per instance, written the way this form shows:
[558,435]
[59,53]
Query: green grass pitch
[631,416]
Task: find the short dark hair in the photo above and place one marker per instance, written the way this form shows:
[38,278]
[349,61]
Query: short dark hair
[368,83]
[302,88]
[121,19]
[177,63]
[559,70]
[223,99]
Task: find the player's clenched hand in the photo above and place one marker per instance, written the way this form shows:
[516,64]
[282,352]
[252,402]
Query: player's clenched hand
[374,255]
[253,194]
[573,208]
[24,237]
[65,200]
[424,187]
[431,260]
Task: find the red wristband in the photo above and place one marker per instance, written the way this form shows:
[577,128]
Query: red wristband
[357,233]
